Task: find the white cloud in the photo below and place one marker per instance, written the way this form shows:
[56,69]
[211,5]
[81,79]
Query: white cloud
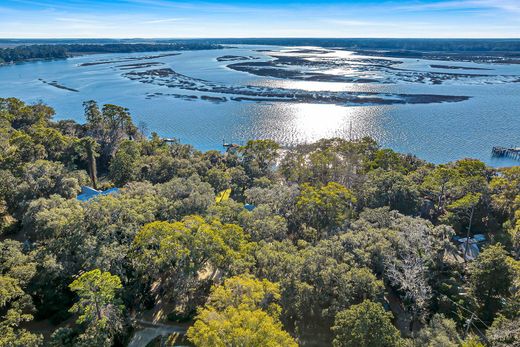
[503,5]
[165,20]
[75,20]
[373,23]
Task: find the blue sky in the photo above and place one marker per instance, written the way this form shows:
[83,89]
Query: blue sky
[268,18]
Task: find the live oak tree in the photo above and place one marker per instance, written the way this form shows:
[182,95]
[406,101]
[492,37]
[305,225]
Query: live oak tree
[504,332]
[490,278]
[124,166]
[259,156]
[219,179]
[408,252]
[440,331]
[439,184]
[316,281]
[365,325]
[174,253]
[279,198]
[505,200]
[390,188]
[505,190]
[243,311]
[43,178]
[329,160]
[263,224]
[16,306]
[240,327]
[324,208]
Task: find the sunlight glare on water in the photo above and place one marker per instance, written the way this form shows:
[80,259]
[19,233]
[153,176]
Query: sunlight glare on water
[305,123]
[312,122]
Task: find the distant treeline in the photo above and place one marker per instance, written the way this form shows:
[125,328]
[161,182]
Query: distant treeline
[22,53]
[426,45]
[139,47]
[22,50]
[60,51]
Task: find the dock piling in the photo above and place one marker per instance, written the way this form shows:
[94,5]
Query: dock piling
[504,152]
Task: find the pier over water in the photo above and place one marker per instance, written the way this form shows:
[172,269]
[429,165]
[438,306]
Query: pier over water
[513,152]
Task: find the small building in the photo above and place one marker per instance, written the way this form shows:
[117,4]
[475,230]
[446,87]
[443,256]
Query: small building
[88,193]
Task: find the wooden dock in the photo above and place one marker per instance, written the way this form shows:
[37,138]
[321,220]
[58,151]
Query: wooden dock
[230,147]
[513,153]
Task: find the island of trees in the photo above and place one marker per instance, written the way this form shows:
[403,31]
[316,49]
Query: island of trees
[338,243]
[64,50]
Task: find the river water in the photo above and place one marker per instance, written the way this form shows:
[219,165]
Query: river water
[196,111]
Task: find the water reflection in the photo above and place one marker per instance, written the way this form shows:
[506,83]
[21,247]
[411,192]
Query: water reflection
[304,123]
[312,122]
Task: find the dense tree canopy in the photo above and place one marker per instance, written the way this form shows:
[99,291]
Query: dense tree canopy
[333,243]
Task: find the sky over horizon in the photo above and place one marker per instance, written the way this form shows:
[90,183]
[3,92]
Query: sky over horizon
[267,18]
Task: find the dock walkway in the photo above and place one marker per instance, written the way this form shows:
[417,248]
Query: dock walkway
[513,153]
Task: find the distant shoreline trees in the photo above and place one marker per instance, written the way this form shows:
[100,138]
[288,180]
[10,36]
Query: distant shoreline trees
[62,51]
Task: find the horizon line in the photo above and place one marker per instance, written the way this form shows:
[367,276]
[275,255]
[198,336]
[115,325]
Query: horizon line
[260,37]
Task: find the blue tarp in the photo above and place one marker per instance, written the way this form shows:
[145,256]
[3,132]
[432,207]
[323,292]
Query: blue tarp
[479,237]
[249,207]
[88,193]
[476,237]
